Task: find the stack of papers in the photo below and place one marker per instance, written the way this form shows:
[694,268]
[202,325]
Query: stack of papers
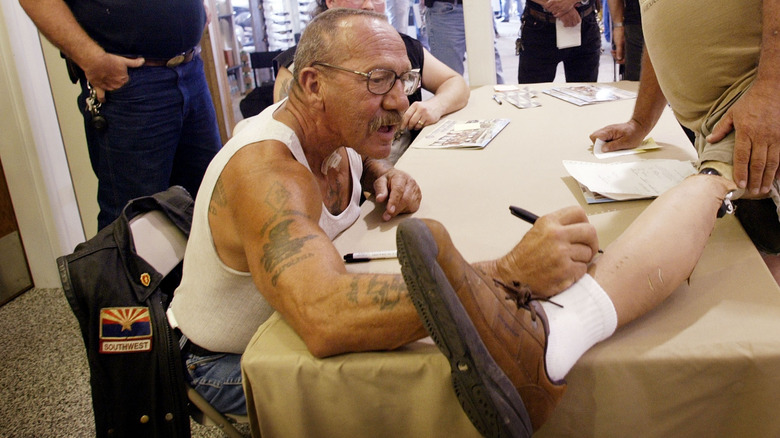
[521,97]
[625,181]
[475,134]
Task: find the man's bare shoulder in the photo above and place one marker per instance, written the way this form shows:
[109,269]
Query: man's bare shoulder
[260,185]
[258,167]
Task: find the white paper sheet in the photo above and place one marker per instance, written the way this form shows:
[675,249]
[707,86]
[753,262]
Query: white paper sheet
[632,180]
[568,36]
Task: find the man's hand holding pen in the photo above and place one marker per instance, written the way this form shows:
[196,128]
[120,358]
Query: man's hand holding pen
[554,253]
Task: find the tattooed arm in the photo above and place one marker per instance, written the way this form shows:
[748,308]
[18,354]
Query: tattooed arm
[264,218]
[391,185]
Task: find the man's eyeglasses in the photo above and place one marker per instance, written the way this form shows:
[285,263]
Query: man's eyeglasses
[380,81]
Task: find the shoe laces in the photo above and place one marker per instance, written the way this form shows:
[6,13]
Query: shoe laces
[522,295]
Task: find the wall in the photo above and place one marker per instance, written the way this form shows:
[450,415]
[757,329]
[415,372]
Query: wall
[478,23]
[32,151]
[71,124]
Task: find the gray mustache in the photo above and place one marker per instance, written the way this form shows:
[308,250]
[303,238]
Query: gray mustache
[389,118]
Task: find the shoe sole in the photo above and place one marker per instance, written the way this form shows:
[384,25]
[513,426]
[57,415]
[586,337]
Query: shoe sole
[486,394]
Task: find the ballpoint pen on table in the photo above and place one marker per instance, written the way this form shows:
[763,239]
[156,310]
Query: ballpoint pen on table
[528,217]
[495,97]
[357,257]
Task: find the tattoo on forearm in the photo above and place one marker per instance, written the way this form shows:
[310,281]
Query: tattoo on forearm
[352,294]
[386,294]
[283,251]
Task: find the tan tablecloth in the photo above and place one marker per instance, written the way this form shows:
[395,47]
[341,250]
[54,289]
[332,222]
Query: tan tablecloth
[705,363]
[404,393]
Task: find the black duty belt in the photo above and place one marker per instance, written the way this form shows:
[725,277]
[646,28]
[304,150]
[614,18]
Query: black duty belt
[177,60]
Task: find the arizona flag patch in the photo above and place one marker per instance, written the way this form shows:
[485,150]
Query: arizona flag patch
[125,330]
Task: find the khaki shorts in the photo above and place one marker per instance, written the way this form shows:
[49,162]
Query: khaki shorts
[723,150]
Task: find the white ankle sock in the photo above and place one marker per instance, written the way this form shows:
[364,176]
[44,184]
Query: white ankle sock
[586,318]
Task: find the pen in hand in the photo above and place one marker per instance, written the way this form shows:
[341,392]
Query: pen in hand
[528,217]
[523,214]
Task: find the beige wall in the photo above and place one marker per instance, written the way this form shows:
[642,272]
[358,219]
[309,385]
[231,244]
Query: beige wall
[31,150]
[71,123]
[478,24]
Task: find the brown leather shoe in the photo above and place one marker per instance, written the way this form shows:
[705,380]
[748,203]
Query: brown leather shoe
[493,335]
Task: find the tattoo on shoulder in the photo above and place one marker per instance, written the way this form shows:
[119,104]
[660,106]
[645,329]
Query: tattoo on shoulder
[276,199]
[277,196]
[283,250]
[284,90]
[218,197]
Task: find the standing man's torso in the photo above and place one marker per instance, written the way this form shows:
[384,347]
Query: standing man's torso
[704,53]
[149,28]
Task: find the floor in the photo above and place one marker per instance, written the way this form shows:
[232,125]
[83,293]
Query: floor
[14,275]
[45,379]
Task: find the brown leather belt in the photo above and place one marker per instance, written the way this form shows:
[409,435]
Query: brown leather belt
[550,18]
[177,60]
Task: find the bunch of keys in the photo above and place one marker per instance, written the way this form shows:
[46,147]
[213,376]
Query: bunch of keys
[98,122]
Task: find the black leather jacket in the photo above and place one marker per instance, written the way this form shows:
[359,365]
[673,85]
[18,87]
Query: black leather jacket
[137,375]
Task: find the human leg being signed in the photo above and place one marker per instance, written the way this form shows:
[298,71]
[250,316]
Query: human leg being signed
[509,346]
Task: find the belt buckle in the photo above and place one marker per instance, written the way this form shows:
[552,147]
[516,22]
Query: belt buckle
[175,61]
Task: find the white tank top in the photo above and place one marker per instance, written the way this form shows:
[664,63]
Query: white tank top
[219,308]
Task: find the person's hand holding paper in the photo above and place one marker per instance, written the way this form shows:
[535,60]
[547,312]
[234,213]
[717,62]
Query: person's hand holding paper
[620,136]
[647,145]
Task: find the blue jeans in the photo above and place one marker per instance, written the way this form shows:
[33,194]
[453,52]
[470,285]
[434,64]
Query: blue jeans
[447,37]
[540,55]
[162,131]
[218,379]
